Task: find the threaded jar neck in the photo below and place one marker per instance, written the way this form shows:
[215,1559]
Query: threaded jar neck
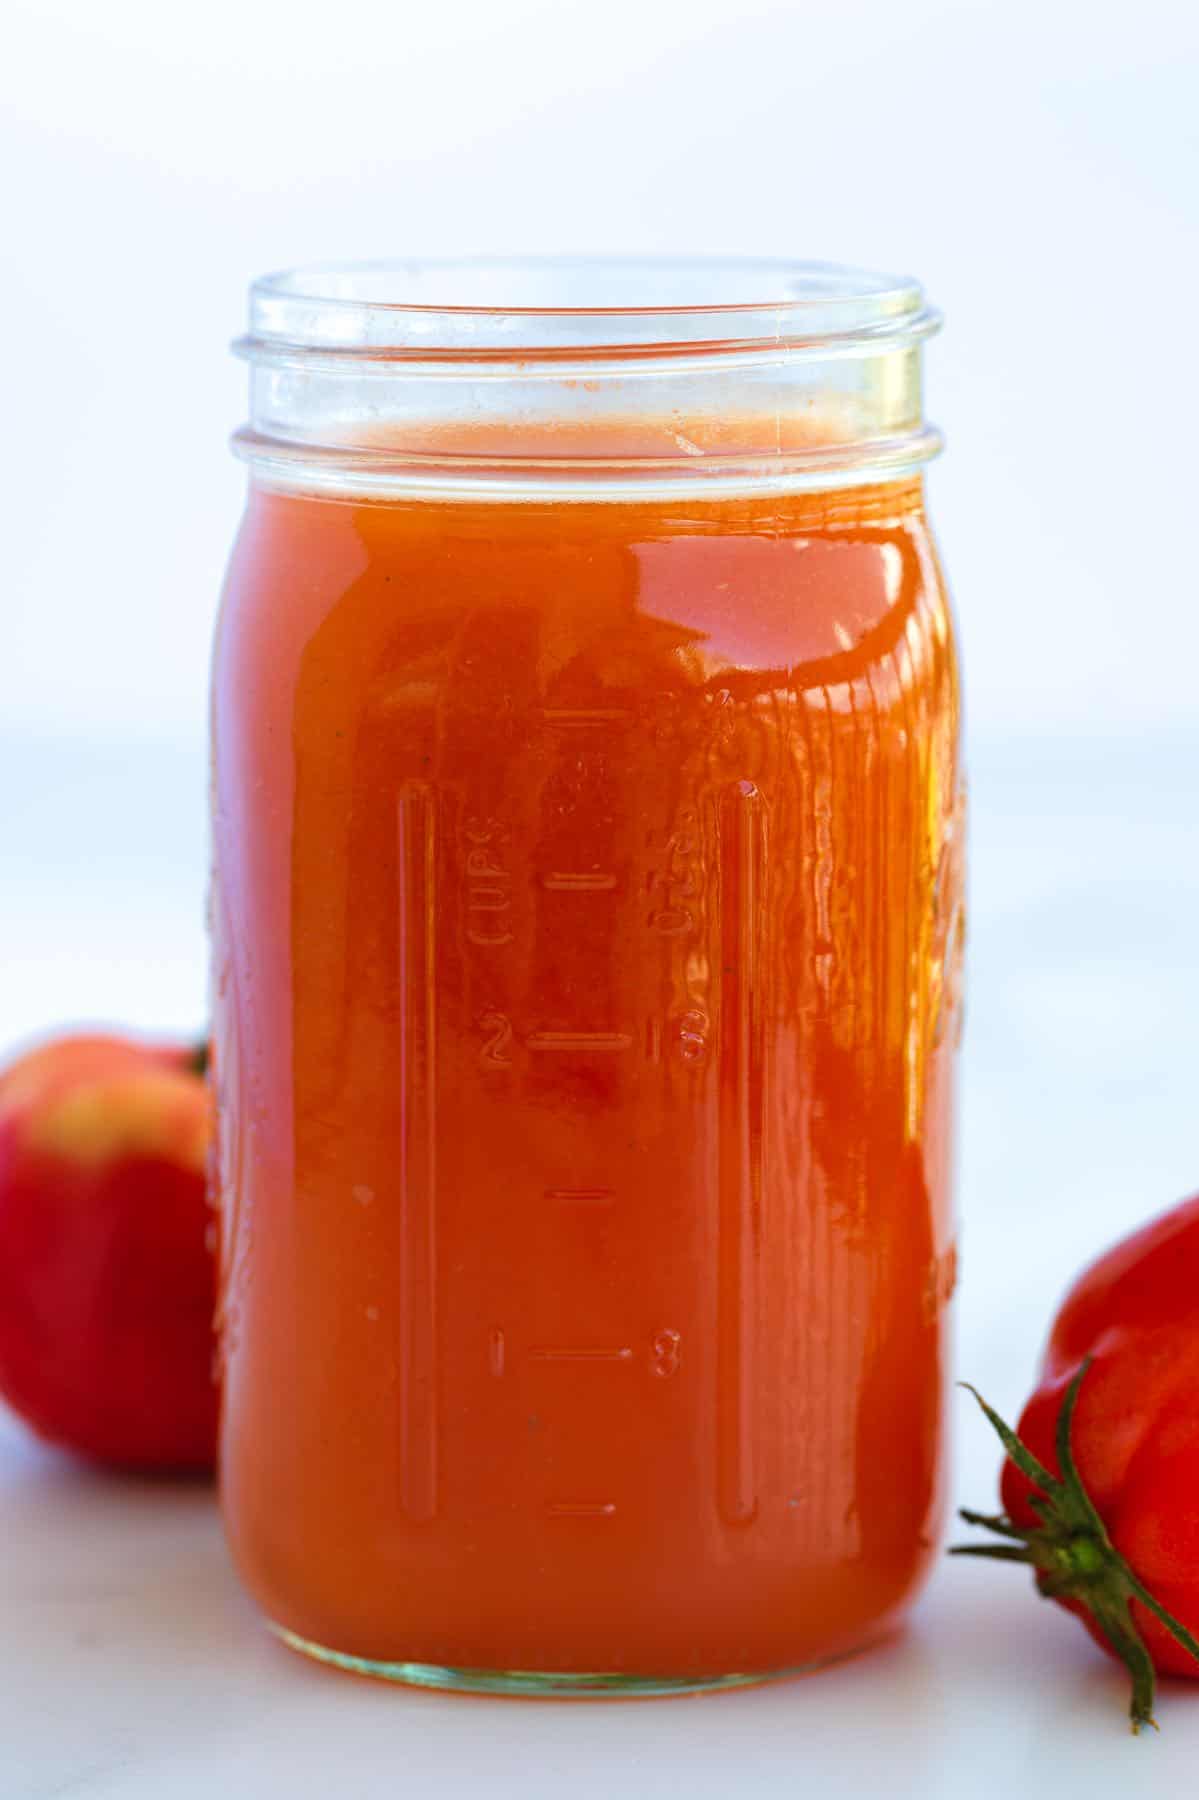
[584,379]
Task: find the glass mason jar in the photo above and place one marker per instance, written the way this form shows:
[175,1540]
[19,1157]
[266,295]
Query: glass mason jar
[587,918]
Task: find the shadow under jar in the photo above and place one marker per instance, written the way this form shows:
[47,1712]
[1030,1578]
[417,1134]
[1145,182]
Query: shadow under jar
[587,920]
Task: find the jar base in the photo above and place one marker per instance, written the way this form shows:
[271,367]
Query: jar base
[547,1684]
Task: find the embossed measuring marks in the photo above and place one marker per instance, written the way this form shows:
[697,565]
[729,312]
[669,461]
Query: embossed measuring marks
[578,718]
[560,883]
[674,876]
[488,883]
[670,881]
[579,1040]
[499,1036]
[668,886]
[683,897]
[488,902]
[664,1354]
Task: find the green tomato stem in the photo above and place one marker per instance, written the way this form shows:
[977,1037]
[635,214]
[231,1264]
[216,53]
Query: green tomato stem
[1072,1554]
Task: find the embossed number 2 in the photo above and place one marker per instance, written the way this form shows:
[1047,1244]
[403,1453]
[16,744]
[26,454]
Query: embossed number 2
[497,1051]
[666,1349]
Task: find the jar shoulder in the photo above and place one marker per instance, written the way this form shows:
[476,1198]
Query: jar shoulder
[537,601]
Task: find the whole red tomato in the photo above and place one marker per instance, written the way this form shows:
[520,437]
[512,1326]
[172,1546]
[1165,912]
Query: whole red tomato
[106,1269]
[1101,1485]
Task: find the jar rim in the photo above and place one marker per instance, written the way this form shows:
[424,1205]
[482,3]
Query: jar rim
[584,376]
[503,308]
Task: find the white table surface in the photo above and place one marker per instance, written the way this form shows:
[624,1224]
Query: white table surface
[131,1667]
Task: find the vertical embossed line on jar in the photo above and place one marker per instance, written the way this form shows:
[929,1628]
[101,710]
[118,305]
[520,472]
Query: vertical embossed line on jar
[417,1072]
[742,838]
[585,762]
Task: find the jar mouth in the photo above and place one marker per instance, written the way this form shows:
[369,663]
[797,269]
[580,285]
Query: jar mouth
[532,309]
[584,377]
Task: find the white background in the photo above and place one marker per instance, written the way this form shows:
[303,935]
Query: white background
[1037,164]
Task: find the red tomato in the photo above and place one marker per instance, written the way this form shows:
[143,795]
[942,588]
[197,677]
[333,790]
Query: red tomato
[106,1267]
[1101,1485]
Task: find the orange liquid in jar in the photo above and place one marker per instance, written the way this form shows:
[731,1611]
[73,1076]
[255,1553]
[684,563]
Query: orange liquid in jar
[587,913]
